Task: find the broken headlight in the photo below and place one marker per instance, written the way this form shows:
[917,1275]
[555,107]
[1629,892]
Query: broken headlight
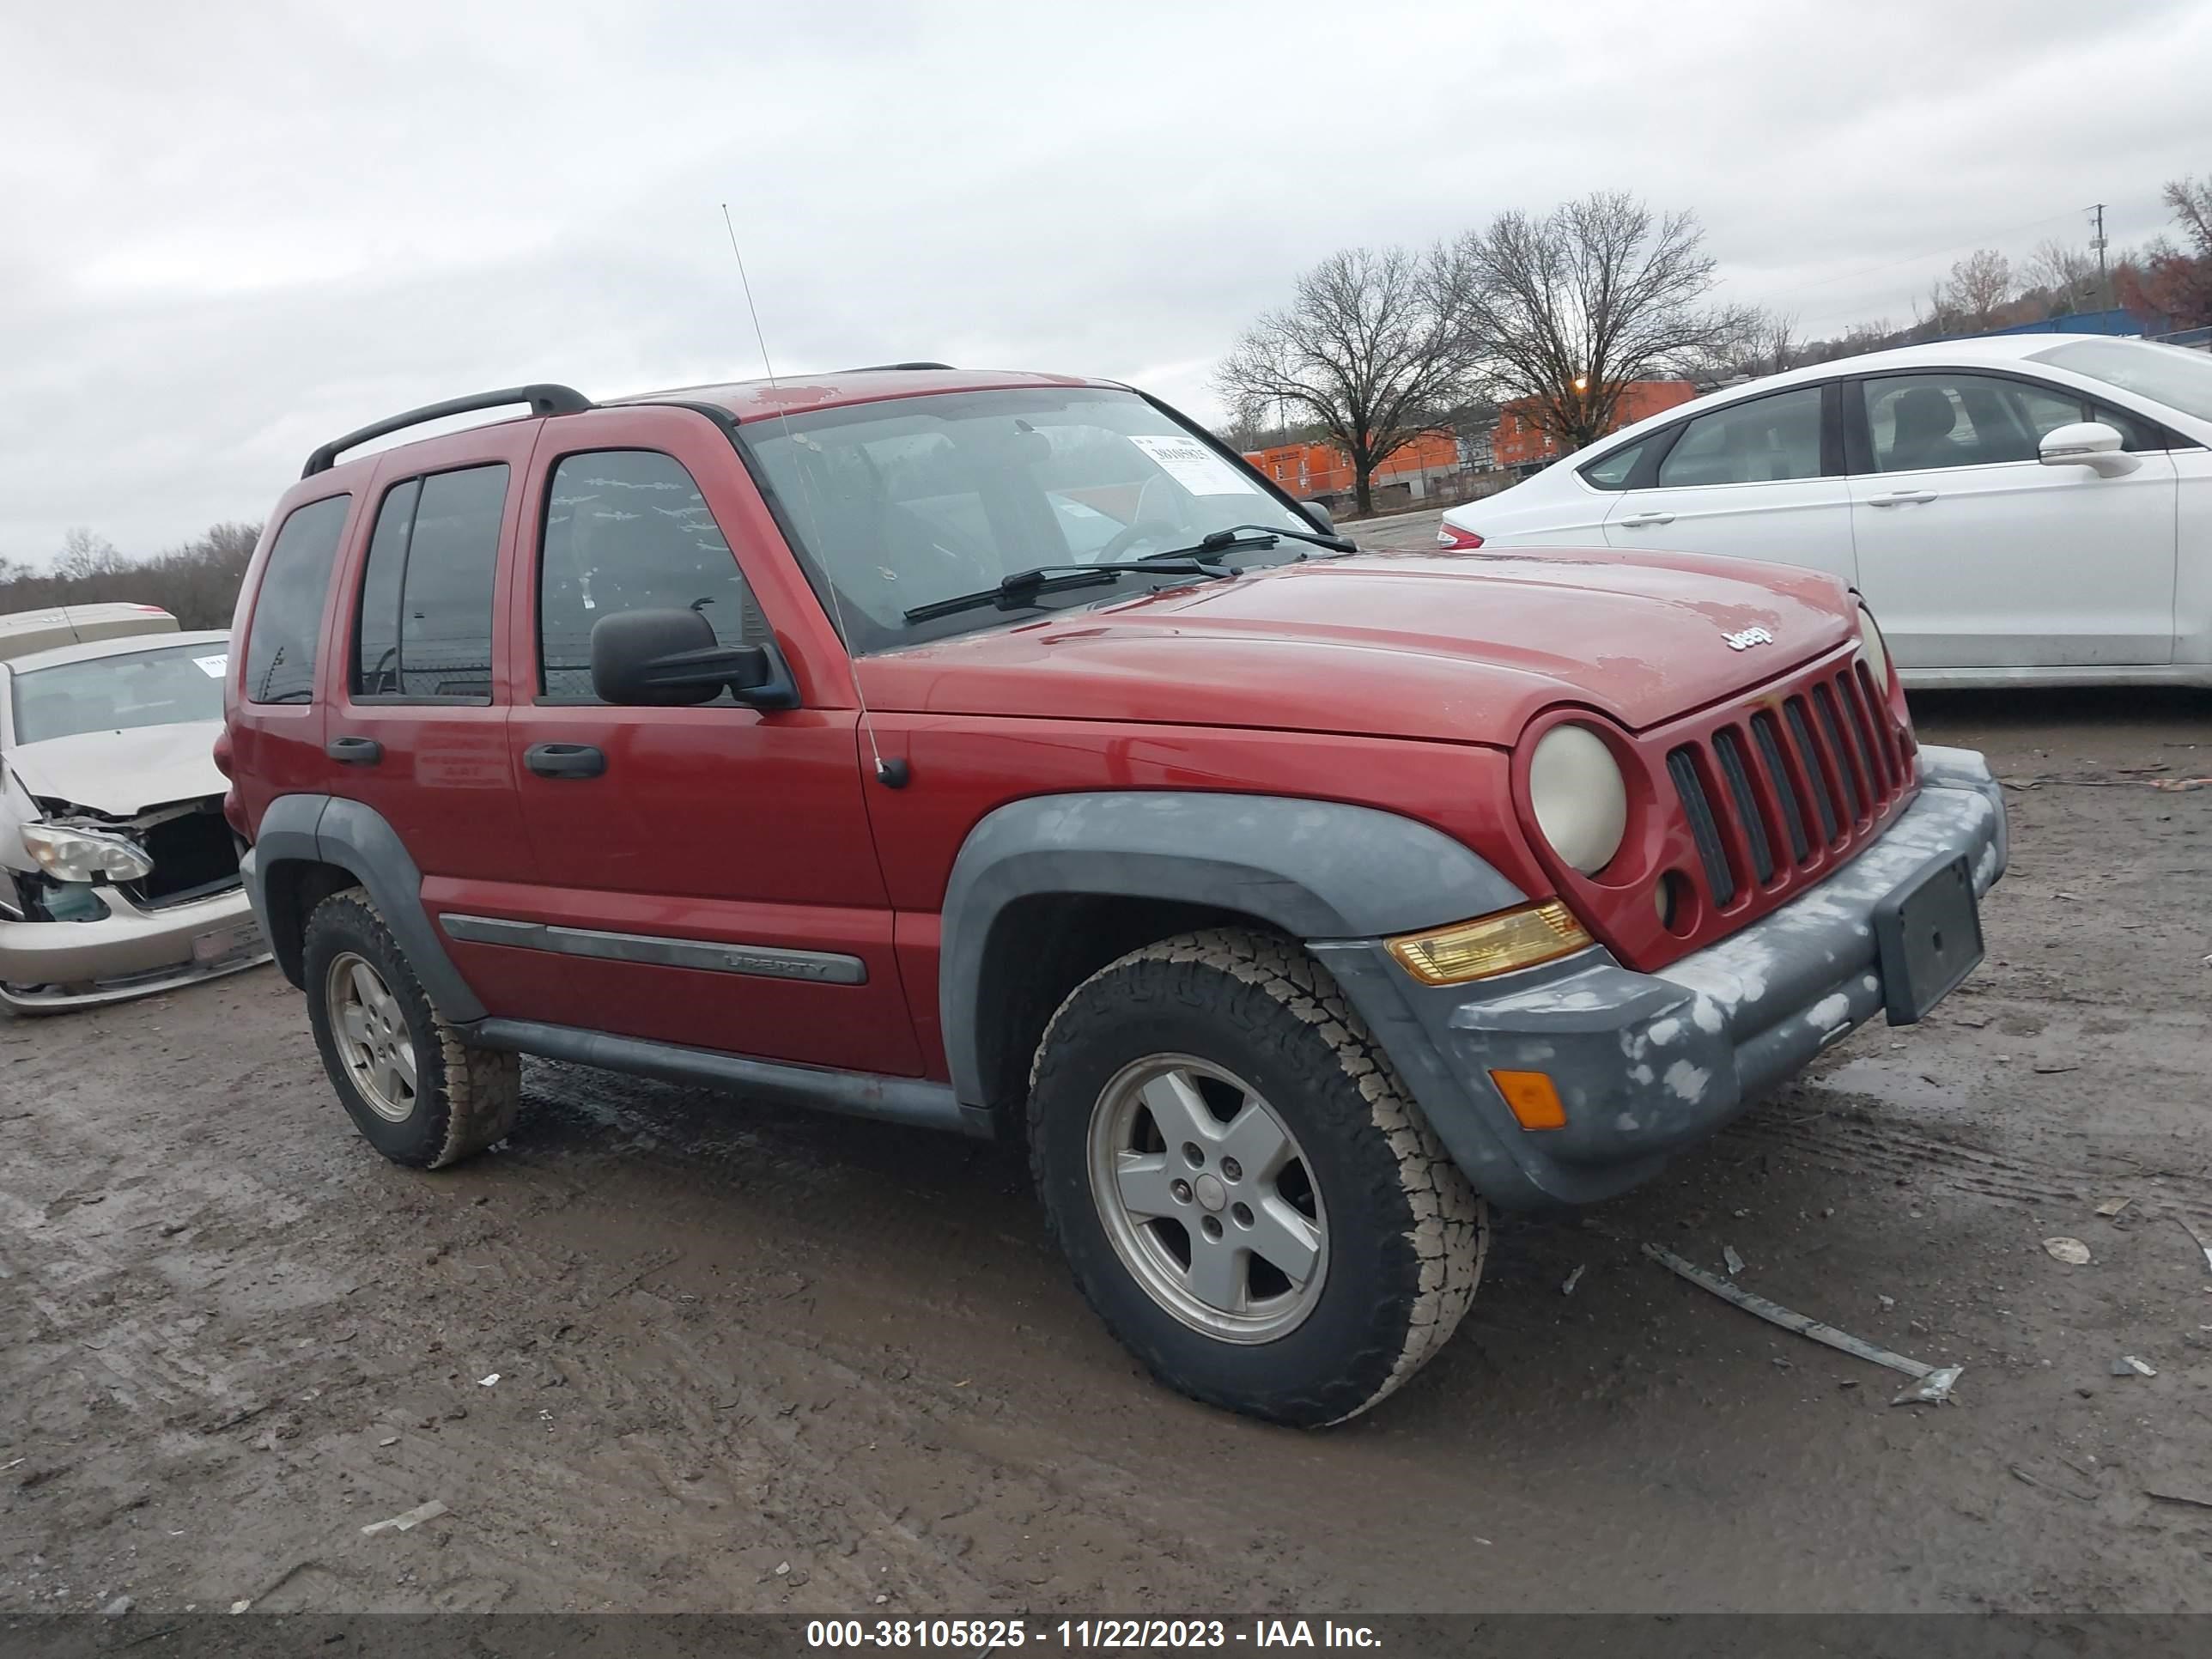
[69,854]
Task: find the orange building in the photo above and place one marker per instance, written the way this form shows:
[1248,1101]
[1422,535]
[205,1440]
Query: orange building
[1308,470]
[1520,444]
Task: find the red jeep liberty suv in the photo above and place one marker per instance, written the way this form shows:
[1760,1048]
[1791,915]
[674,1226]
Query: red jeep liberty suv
[1000,753]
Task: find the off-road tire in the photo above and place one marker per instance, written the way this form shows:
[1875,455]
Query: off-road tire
[1407,1235]
[465,1097]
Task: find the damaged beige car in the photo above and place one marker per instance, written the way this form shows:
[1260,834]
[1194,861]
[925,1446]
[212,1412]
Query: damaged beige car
[118,875]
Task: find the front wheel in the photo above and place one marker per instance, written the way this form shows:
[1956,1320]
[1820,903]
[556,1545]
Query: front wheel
[1245,1191]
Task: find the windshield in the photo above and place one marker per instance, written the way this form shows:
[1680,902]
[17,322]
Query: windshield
[903,503]
[2179,379]
[167,687]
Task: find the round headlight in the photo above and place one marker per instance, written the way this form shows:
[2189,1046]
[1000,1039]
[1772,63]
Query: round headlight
[1877,652]
[1580,798]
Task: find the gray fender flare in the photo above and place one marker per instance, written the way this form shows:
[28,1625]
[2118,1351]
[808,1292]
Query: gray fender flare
[328,829]
[1316,869]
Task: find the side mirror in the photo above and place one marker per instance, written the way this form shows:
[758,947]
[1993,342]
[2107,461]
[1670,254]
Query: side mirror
[1319,514]
[670,659]
[2088,443]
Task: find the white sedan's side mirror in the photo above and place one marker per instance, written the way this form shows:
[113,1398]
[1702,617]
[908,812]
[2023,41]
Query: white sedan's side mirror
[2091,444]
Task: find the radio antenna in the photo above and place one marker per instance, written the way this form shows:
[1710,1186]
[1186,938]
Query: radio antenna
[891,773]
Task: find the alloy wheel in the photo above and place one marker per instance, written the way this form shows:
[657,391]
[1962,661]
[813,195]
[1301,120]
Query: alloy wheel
[374,1042]
[1207,1199]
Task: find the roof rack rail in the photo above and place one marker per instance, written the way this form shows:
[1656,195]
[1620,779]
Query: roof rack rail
[877,368]
[543,399]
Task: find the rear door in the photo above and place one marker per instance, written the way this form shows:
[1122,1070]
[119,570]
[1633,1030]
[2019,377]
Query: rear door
[706,875]
[1974,555]
[417,729]
[1760,479]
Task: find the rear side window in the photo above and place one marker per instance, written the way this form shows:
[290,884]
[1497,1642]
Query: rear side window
[627,530]
[425,627]
[1613,471]
[1762,441]
[287,625]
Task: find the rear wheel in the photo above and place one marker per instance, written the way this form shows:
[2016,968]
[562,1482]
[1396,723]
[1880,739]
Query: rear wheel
[1246,1193]
[416,1091]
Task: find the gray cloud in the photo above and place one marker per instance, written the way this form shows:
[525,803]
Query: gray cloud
[232,239]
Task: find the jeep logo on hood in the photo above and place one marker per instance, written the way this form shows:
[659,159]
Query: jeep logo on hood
[1749,637]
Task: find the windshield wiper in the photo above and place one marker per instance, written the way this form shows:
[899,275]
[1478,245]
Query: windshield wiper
[1254,535]
[1022,586]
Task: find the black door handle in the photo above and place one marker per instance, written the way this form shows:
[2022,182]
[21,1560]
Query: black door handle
[564,759]
[354,751]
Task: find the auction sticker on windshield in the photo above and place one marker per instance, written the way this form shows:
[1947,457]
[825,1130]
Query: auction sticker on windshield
[213,667]
[1194,467]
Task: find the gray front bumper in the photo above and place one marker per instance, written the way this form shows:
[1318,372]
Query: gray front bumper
[1648,1063]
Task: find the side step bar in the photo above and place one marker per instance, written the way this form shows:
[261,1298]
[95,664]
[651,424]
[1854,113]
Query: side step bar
[913,1100]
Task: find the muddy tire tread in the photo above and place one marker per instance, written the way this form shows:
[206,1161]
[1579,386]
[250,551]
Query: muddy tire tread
[482,1087]
[1451,1234]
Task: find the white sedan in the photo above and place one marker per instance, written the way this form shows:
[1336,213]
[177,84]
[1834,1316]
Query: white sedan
[2031,508]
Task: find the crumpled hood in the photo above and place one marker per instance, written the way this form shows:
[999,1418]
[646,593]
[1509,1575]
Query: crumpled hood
[1457,647]
[122,774]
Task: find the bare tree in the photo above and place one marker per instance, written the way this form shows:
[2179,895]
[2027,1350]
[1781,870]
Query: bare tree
[1565,310]
[1370,350]
[1940,319]
[84,554]
[2068,275]
[2170,281]
[1244,431]
[1779,343]
[2192,202]
[1979,286]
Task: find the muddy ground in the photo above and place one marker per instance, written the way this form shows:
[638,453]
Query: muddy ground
[753,1358]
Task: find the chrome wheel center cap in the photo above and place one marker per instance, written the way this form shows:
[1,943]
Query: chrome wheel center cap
[1210,1191]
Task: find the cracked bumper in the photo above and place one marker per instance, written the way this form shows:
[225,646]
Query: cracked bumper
[1646,1064]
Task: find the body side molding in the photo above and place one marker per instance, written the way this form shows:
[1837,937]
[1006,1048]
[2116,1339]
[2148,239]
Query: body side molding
[764,961]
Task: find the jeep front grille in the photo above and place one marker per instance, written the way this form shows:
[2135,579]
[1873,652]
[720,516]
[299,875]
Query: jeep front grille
[1753,784]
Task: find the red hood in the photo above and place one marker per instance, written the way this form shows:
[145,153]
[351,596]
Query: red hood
[1459,647]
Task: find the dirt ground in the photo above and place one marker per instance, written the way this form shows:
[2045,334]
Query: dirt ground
[752,1359]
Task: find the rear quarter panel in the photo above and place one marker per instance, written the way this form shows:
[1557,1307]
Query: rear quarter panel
[277,749]
[1554,508]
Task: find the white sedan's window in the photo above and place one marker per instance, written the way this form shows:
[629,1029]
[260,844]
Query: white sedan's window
[1918,421]
[1612,472]
[1761,441]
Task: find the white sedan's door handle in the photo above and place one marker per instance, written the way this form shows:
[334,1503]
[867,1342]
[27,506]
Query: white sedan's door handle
[1639,520]
[1901,497]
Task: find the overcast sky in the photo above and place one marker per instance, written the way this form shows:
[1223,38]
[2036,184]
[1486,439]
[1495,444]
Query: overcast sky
[235,231]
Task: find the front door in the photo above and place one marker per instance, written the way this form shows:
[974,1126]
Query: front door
[706,875]
[1760,479]
[1974,555]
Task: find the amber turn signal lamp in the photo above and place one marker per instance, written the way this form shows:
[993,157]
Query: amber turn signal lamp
[1491,945]
[1533,1098]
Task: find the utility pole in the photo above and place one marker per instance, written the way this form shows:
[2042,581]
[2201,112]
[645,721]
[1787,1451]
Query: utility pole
[2104,283]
